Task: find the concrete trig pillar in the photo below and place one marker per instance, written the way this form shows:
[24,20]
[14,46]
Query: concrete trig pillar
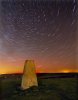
[29,77]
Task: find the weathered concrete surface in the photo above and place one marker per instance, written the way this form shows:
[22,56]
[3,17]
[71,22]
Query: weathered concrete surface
[29,78]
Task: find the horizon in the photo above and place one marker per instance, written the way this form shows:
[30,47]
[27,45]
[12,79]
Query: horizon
[76,72]
[61,71]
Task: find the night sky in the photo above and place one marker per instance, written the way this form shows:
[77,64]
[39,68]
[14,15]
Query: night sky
[42,30]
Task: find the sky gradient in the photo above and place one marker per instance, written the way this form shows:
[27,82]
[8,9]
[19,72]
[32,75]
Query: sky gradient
[42,30]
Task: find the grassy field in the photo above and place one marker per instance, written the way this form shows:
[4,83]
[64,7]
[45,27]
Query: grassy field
[49,89]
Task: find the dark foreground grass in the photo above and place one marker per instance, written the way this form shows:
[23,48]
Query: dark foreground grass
[49,89]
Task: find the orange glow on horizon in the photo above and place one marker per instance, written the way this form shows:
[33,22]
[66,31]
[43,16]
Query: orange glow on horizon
[40,71]
[17,67]
[69,71]
[8,69]
[66,71]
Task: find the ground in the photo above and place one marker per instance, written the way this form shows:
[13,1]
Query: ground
[51,87]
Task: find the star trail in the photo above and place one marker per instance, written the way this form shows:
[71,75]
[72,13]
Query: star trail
[43,30]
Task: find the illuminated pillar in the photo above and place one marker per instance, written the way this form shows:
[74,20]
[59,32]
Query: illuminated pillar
[29,78]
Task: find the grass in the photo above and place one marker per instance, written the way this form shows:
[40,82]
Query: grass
[49,89]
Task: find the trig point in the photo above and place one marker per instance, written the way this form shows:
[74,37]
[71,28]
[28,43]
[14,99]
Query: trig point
[29,78]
